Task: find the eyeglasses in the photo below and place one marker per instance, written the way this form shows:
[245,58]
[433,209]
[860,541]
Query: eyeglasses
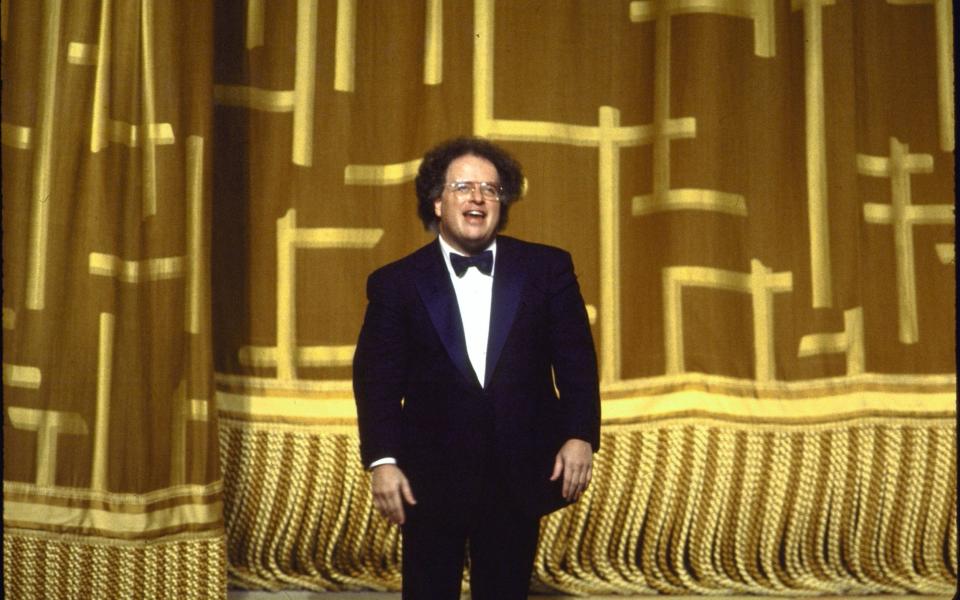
[463,190]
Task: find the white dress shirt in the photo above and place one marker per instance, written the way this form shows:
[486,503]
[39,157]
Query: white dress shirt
[474,296]
[474,293]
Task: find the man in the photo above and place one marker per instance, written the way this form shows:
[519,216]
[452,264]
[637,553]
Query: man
[467,440]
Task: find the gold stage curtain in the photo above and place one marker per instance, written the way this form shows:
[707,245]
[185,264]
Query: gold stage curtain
[758,196]
[112,485]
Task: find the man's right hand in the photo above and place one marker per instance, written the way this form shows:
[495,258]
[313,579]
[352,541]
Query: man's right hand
[390,490]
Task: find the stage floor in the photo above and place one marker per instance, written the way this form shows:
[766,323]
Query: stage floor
[292,595]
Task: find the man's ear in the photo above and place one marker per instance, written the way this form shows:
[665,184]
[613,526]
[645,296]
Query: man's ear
[436,205]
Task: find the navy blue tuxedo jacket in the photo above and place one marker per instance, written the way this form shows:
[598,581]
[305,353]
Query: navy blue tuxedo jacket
[418,397]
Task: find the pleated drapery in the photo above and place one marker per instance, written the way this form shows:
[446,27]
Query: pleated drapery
[757,194]
[112,484]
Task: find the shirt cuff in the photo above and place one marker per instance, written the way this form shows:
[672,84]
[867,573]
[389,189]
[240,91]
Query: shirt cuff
[388,460]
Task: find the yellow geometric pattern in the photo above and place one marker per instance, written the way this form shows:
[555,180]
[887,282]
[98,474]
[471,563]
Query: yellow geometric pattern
[101,429]
[381,174]
[758,204]
[17,136]
[48,425]
[816,148]
[761,283]
[849,342]
[820,398]
[663,197]
[943,28]
[299,100]
[43,161]
[115,488]
[135,271]
[287,356]
[21,376]
[902,214]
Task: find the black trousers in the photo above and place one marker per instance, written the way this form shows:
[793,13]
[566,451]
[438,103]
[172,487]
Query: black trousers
[500,540]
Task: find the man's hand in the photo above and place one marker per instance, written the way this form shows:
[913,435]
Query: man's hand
[575,462]
[390,489]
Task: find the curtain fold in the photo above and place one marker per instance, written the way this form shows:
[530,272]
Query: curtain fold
[757,194]
[758,199]
[112,484]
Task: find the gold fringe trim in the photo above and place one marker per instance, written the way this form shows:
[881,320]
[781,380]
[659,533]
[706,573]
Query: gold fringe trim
[70,567]
[680,508]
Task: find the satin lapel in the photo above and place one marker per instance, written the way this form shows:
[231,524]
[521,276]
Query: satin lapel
[508,278]
[436,291]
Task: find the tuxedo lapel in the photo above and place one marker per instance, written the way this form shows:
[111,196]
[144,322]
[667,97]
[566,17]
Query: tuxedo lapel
[508,277]
[436,291]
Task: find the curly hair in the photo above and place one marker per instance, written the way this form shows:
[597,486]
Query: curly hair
[433,173]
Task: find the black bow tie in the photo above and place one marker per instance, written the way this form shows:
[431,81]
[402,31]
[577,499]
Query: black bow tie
[483,262]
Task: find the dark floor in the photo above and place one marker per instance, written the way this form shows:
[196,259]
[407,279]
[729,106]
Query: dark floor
[298,595]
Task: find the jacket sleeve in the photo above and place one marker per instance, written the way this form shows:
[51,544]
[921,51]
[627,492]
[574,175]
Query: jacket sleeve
[379,370]
[573,355]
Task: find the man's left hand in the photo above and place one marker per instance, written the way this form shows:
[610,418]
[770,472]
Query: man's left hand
[575,462]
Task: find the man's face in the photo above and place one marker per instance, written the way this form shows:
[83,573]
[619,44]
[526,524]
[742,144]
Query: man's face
[469,224]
